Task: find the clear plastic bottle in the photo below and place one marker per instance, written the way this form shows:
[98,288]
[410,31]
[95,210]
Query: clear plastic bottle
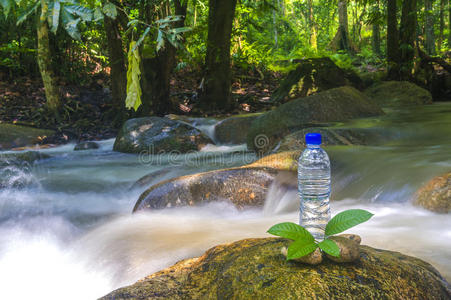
[314,186]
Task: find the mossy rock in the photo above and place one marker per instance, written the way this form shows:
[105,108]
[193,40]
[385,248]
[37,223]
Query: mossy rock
[312,76]
[153,135]
[15,136]
[372,77]
[334,105]
[20,157]
[398,94]
[435,195]
[245,186]
[234,130]
[256,269]
[330,136]
[282,161]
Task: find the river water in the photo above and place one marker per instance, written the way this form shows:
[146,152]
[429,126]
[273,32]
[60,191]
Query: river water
[67,232]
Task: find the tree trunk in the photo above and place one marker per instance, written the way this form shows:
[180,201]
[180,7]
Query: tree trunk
[274,23]
[442,25]
[392,40]
[216,94]
[312,25]
[117,62]
[429,27]
[157,71]
[342,39]
[407,34]
[376,34]
[45,61]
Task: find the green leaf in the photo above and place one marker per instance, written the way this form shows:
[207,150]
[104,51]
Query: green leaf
[141,38]
[291,231]
[7,5]
[55,15]
[160,40]
[133,99]
[70,25]
[110,10]
[347,219]
[300,248]
[83,12]
[180,30]
[25,15]
[98,15]
[133,23]
[169,19]
[330,247]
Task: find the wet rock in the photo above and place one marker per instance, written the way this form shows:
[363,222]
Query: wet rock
[435,195]
[314,258]
[283,161]
[15,136]
[353,237]
[86,146]
[349,250]
[312,76]
[370,77]
[241,186]
[255,269]
[330,136]
[333,105]
[234,130]
[398,94]
[155,135]
[153,177]
[20,157]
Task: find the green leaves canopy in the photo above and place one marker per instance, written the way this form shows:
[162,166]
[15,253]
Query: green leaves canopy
[69,13]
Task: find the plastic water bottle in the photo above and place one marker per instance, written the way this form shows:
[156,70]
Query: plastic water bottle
[314,186]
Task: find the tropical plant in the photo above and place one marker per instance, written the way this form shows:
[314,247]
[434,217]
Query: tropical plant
[303,241]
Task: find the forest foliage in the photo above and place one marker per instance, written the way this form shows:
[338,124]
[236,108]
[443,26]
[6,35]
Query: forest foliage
[139,45]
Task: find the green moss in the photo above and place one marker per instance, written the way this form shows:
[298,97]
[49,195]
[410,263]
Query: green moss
[12,136]
[398,94]
[255,269]
[333,105]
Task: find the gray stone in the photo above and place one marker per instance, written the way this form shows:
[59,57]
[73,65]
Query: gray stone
[86,146]
[153,135]
[333,105]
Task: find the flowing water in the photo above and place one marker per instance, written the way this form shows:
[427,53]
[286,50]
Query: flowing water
[67,232]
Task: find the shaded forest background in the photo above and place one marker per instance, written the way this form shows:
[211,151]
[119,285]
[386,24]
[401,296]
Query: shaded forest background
[83,67]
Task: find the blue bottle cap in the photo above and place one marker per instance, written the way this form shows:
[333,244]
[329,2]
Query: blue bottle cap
[313,138]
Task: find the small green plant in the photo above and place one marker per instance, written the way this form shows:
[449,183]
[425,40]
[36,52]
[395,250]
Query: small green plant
[303,241]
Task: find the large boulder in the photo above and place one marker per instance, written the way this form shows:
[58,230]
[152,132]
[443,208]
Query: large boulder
[243,187]
[334,105]
[398,94]
[256,269]
[314,75]
[330,136]
[155,135]
[435,195]
[15,136]
[234,130]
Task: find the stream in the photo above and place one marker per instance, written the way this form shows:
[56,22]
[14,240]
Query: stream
[67,232]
